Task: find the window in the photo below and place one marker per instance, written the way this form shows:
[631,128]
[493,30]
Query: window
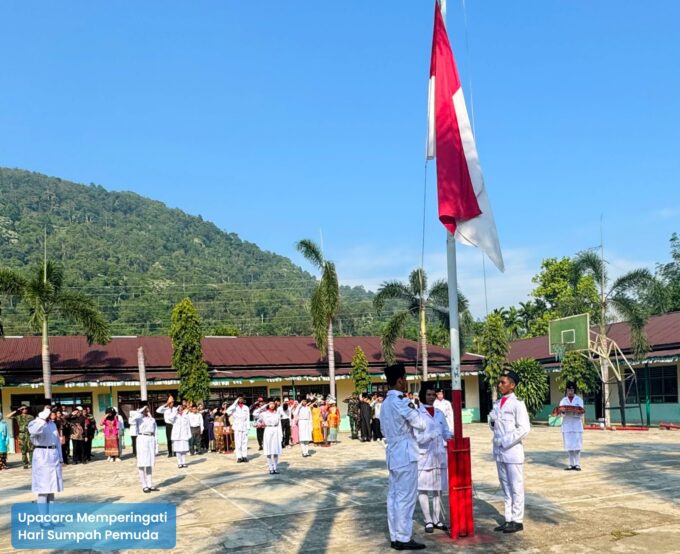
[304,390]
[35,402]
[663,385]
[445,385]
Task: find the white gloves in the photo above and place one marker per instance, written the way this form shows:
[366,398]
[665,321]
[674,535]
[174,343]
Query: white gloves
[45,414]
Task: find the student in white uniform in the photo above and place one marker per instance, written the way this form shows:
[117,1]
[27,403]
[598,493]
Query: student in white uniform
[304,417]
[46,471]
[443,405]
[240,416]
[169,411]
[121,434]
[571,409]
[181,434]
[509,421]
[399,418]
[432,462]
[145,426]
[271,441]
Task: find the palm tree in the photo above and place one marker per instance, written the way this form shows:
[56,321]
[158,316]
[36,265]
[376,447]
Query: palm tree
[622,297]
[513,323]
[325,304]
[419,301]
[43,292]
[10,283]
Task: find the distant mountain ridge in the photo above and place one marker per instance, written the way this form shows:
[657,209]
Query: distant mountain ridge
[138,257]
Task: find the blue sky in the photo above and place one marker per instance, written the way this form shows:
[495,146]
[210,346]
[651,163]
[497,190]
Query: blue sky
[278,120]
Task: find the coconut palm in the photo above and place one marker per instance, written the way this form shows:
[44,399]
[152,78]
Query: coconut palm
[622,296]
[12,284]
[325,304]
[43,292]
[419,302]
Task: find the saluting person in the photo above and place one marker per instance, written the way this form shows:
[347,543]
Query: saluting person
[169,411]
[46,473]
[147,445]
[571,409]
[399,418]
[509,421]
[240,415]
[181,433]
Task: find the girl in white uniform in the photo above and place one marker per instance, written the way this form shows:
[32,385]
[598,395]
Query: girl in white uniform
[571,409]
[432,463]
[304,417]
[147,447]
[181,434]
[271,441]
[47,460]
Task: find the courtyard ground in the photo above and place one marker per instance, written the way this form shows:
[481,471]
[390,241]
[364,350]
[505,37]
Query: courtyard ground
[626,499]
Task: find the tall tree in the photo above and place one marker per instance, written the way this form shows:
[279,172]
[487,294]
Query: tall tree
[359,372]
[11,283]
[325,304]
[420,303]
[533,384]
[187,354]
[44,293]
[621,296]
[663,295]
[493,345]
[581,371]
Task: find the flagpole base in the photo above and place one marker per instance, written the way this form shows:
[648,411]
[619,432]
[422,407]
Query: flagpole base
[460,489]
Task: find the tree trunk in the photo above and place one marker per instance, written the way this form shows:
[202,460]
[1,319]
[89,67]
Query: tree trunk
[46,369]
[423,341]
[331,360]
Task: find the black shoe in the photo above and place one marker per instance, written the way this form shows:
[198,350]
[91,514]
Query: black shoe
[275,472]
[169,455]
[146,489]
[570,468]
[239,461]
[502,527]
[410,545]
[245,460]
[154,489]
[513,527]
[429,527]
[260,448]
[439,525]
[577,468]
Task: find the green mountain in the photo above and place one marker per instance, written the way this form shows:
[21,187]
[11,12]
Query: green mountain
[138,258]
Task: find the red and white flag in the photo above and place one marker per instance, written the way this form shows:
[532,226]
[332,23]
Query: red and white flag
[464,206]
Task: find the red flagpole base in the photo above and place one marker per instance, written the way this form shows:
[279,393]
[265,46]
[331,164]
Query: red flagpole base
[460,477]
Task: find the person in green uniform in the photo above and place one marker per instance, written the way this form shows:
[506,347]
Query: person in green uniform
[23,418]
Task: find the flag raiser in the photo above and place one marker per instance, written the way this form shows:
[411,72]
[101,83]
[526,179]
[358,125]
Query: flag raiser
[464,207]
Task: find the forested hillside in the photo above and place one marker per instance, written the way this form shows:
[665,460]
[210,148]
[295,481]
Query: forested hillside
[137,258]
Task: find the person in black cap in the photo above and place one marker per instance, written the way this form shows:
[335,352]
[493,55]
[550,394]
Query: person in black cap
[571,409]
[398,420]
[509,422]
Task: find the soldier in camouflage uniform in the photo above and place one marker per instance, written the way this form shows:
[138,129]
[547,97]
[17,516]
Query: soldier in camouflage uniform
[353,405]
[23,418]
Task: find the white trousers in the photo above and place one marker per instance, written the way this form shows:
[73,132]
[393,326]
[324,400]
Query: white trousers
[145,477]
[180,458]
[241,440]
[273,462]
[305,448]
[574,458]
[402,493]
[511,477]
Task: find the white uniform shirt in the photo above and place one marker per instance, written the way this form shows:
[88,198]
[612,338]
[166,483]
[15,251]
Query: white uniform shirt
[181,430]
[572,423]
[398,419]
[444,406]
[121,425]
[169,413]
[240,416]
[431,440]
[510,425]
[196,420]
[377,406]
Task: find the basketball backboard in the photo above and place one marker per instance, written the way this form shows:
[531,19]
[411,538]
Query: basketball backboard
[569,334]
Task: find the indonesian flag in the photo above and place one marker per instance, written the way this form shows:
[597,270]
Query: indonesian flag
[464,207]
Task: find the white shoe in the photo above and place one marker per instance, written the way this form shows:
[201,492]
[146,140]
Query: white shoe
[118,460]
[109,459]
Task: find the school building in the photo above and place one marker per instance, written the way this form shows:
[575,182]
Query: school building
[103,376]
